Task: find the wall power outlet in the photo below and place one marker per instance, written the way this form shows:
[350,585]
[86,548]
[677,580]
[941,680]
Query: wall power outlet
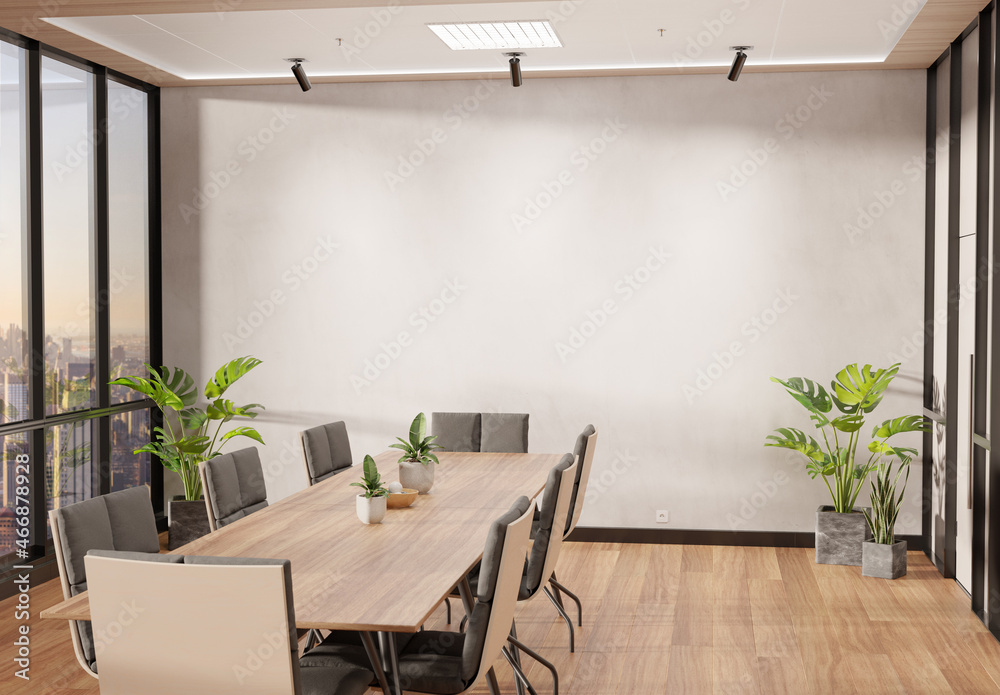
[662,516]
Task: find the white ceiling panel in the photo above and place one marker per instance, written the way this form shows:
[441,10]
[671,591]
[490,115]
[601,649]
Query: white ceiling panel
[597,34]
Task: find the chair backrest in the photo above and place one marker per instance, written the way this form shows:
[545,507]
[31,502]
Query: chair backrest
[505,433]
[457,431]
[327,451]
[122,520]
[584,449]
[499,581]
[207,625]
[553,513]
[234,486]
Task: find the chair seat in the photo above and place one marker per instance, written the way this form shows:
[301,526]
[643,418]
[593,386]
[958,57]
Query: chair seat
[340,649]
[432,663]
[320,680]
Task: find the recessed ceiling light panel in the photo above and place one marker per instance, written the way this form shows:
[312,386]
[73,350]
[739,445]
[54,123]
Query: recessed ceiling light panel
[478,36]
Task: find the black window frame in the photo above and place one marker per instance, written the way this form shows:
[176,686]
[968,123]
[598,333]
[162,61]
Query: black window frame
[40,553]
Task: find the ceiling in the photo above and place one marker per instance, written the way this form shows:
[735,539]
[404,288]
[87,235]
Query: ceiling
[193,42]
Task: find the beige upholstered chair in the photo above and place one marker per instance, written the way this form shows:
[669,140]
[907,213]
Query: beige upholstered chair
[187,627]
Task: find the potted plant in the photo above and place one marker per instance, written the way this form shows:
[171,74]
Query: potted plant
[882,556]
[371,503]
[855,392]
[415,470]
[183,441]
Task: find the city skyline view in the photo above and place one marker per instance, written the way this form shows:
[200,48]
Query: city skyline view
[71,299]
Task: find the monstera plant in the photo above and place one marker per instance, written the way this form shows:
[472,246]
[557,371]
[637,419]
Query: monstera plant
[191,434]
[840,415]
[855,393]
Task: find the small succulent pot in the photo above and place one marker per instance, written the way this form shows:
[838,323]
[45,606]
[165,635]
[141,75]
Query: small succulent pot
[883,561]
[839,536]
[416,475]
[371,510]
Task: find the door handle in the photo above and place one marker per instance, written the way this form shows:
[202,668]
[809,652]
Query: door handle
[972,425]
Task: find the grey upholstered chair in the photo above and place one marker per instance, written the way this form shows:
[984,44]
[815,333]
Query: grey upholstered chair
[120,520]
[548,537]
[505,433]
[584,451]
[449,662]
[494,432]
[457,431]
[327,451]
[234,486]
[452,663]
[193,632]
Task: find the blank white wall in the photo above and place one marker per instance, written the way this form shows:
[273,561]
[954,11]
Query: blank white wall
[586,250]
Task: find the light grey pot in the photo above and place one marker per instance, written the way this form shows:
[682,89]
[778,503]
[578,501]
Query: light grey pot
[839,537]
[417,476]
[883,561]
[188,521]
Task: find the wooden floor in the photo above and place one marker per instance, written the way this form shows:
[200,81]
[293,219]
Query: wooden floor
[695,619]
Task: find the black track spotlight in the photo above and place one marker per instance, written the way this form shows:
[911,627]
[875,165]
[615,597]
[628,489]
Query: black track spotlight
[515,68]
[300,73]
[738,61]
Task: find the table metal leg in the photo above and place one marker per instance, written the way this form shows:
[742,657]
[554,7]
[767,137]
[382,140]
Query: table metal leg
[466,592]
[376,659]
[491,681]
[394,660]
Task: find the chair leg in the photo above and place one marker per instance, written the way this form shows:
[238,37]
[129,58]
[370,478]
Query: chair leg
[516,654]
[515,642]
[576,599]
[565,616]
[519,678]
[447,608]
[556,591]
[491,682]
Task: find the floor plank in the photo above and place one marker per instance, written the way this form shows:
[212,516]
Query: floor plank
[686,619]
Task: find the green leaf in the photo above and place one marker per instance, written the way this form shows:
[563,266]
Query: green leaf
[370,469]
[249,432]
[899,425]
[796,440]
[226,410]
[848,423]
[418,428]
[192,419]
[861,388]
[807,392]
[228,374]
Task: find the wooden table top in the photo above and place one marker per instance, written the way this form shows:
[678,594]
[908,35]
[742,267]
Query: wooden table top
[384,577]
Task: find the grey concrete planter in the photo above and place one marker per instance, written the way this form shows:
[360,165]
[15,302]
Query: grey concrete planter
[188,522]
[884,561]
[839,536]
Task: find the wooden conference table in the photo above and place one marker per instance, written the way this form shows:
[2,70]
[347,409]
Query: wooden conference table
[388,577]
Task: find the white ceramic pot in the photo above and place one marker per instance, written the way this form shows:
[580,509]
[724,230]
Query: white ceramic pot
[417,476]
[371,510]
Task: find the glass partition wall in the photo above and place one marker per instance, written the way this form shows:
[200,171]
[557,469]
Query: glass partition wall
[79,288]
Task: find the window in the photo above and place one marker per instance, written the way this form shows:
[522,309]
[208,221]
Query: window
[13,232]
[68,233]
[128,230]
[78,240]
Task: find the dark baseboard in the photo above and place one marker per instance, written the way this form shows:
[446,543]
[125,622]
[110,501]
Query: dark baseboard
[768,539]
